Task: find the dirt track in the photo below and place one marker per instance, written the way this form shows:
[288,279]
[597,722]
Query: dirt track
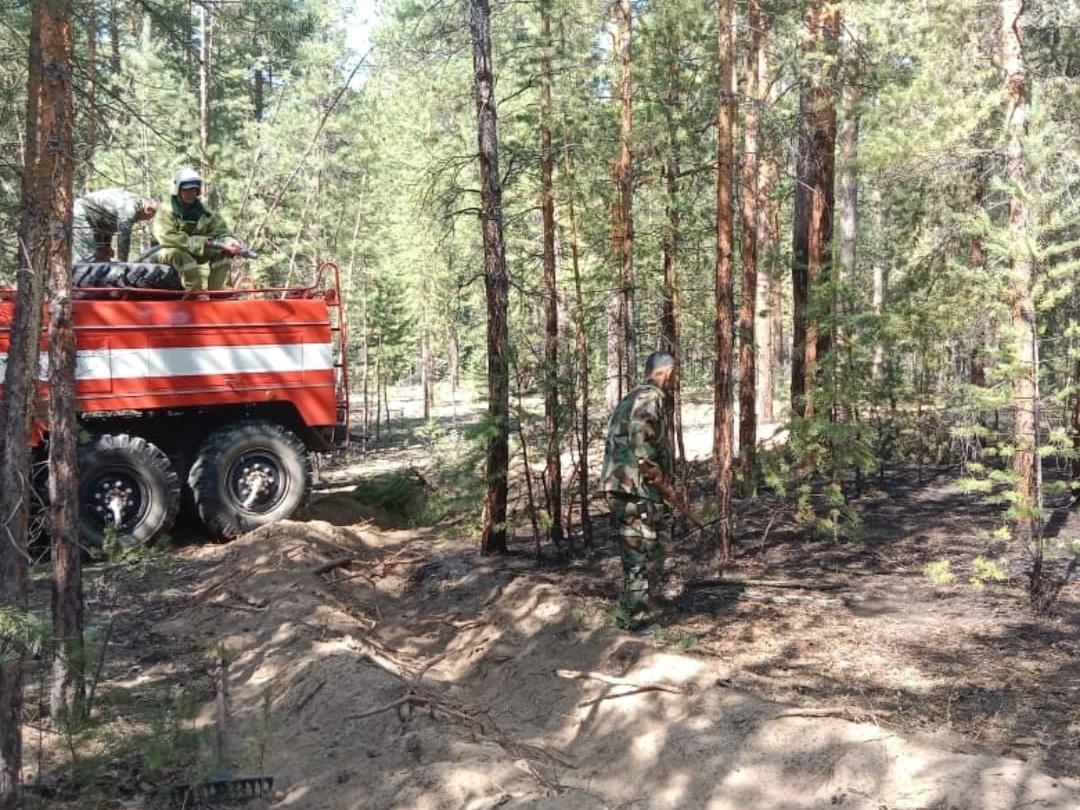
[375,668]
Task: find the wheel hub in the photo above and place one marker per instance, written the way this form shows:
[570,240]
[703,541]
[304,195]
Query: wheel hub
[116,500]
[256,482]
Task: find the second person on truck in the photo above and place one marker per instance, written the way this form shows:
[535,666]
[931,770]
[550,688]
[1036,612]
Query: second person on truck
[99,216]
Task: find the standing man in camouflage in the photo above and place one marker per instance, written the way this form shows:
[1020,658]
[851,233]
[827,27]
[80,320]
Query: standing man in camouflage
[191,235]
[100,215]
[637,477]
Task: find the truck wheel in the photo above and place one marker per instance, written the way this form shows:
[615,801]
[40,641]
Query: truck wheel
[248,474]
[126,485]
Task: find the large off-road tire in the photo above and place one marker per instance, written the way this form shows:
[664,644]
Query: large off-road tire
[95,274]
[248,474]
[128,486]
[126,275]
[150,276]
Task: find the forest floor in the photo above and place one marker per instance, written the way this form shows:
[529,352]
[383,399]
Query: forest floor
[378,666]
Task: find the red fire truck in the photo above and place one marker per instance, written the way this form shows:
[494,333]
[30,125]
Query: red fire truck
[227,397]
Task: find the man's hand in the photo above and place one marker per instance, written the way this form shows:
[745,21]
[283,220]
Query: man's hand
[655,476]
[229,248]
[233,249]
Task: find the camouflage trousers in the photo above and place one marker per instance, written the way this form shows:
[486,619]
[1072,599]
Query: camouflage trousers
[190,267]
[87,244]
[644,531]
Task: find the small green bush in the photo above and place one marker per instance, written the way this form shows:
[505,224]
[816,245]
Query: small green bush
[939,573]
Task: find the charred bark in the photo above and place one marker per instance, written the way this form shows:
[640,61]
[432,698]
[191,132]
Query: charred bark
[496,284]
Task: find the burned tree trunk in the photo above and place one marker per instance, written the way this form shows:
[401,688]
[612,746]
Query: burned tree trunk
[496,284]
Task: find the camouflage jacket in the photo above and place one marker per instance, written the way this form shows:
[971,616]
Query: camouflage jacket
[637,430]
[172,229]
[109,211]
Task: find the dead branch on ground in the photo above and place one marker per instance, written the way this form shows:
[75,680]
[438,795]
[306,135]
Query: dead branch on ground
[582,675]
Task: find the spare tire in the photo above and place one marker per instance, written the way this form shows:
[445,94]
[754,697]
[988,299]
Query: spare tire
[126,275]
[149,276]
[93,274]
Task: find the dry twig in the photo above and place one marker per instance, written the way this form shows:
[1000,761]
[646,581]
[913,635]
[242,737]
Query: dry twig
[610,680]
[738,582]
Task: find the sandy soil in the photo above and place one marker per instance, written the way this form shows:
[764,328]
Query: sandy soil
[382,668]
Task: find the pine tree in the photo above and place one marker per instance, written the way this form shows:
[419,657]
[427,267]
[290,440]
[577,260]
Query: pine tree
[47,178]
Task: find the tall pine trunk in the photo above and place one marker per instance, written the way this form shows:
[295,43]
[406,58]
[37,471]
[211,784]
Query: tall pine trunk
[978,200]
[879,285]
[44,241]
[205,48]
[427,372]
[581,341]
[496,284]
[1021,302]
[114,40]
[748,305]
[814,202]
[552,422]
[769,323]
[622,337]
[723,419]
[848,137]
[90,147]
[1020,265]
[670,303]
[68,693]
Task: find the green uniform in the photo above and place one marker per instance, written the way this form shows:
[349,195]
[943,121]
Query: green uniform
[638,430]
[184,235]
[97,217]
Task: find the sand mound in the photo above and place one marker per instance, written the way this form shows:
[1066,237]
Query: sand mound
[389,670]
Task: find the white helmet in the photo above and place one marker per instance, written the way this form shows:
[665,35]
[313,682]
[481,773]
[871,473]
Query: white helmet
[185,178]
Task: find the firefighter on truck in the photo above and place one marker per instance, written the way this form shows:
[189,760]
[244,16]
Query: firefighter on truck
[192,236]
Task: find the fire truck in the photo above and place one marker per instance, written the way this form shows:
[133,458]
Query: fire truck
[222,403]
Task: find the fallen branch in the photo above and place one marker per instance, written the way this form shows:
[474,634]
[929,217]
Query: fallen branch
[250,601]
[434,704]
[614,696]
[536,760]
[738,582]
[768,528]
[582,675]
[402,561]
[354,575]
[772,599]
[327,567]
[342,562]
[322,486]
[811,713]
[235,606]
